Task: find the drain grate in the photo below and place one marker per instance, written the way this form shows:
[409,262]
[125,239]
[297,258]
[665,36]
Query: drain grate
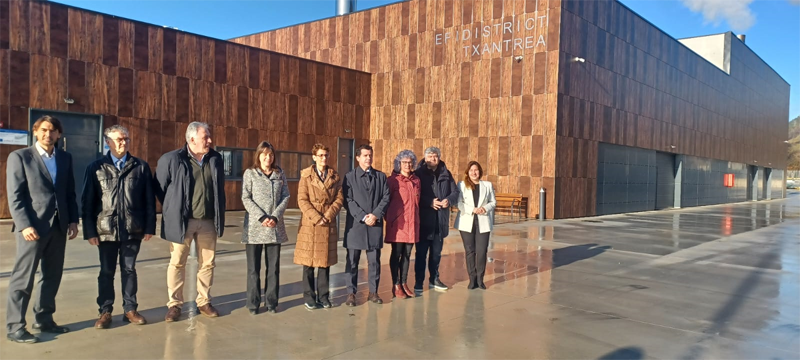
[593,221]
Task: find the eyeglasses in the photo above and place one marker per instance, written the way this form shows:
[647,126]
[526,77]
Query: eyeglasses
[120,140]
[407,162]
[322,155]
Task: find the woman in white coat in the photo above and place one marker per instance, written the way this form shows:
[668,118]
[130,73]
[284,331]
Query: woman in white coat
[475,221]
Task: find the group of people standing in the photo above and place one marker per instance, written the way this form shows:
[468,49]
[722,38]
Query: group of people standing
[409,207]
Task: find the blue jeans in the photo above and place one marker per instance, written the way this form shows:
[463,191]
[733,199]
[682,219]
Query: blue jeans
[110,252]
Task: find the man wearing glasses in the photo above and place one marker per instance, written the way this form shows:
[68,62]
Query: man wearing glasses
[119,211]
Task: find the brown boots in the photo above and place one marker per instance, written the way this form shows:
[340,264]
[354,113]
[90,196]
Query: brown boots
[399,292]
[408,290]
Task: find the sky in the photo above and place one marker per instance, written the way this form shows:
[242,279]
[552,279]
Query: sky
[772,26]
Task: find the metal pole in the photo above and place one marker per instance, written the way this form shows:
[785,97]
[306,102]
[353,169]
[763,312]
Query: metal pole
[345,7]
[541,204]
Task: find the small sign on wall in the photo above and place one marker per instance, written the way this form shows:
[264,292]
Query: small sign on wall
[728,180]
[13,137]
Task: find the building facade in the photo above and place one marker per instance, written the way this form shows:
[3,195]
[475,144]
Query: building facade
[156,80]
[585,99]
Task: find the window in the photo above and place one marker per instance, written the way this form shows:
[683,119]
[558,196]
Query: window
[292,163]
[306,160]
[235,161]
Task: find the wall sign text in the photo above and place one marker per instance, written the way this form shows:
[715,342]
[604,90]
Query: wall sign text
[466,36]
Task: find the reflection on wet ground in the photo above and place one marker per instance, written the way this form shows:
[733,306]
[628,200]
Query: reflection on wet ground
[716,282]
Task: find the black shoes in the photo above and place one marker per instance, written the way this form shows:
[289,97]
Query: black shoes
[253,311]
[481,284]
[473,284]
[22,336]
[325,303]
[438,285]
[272,309]
[418,289]
[311,305]
[51,328]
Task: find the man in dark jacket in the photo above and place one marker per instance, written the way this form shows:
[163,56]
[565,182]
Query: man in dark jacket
[439,192]
[190,184]
[366,196]
[41,199]
[119,211]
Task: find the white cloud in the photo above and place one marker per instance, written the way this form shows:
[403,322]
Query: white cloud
[736,13]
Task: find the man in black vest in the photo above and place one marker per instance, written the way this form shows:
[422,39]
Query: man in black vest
[41,198]
[119,211]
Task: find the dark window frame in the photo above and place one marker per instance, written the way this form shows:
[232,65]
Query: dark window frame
[222,150]
[279,156]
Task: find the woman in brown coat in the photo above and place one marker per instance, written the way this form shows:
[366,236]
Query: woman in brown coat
[402,220]
[320,198]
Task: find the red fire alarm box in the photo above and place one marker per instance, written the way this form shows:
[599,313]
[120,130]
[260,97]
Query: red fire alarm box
[728,180]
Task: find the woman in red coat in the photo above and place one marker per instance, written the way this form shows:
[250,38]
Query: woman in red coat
[402,220]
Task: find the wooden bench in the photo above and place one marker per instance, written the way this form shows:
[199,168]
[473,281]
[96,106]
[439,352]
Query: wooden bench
[512,205]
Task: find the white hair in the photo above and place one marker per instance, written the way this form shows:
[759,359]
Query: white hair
[115,128]
[405,154]
[191,130]
[433,150]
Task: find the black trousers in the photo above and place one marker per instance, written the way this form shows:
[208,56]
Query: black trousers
[476,245]
[399,262]
[272,264]
[110,252]
[49,250]
[423,248]
[316,289]
[374,263]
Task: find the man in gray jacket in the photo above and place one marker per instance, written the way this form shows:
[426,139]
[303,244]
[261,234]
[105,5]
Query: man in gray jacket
[366,196]
[190,184]
[41,198]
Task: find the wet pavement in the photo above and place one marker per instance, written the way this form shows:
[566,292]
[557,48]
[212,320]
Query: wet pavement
[718,282]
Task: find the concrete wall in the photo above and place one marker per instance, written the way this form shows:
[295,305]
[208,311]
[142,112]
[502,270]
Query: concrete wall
[714,48]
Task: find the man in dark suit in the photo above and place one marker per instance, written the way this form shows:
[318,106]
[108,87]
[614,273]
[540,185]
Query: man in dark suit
[41,198]
[366,196]
[119,211]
